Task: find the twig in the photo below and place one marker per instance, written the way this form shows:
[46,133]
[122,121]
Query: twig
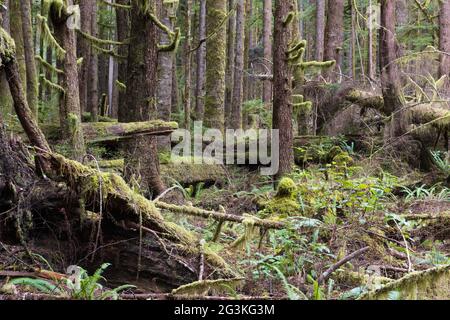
[410,269]
[324,277]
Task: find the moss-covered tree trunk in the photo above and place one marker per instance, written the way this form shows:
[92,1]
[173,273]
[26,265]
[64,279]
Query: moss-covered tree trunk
[215,63]
[188,65]
[71,110]
[6,102]
[141,158]
[17,34]
[282,104]
[236,115]
[9,63]
[28,47]
[201,64]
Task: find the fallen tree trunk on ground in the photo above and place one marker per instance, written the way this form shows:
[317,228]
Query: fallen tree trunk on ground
[431,284]
[219,216]
[112,132]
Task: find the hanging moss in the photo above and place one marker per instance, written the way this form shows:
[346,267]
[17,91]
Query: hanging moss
[49,84]
[48,37]
[49,67]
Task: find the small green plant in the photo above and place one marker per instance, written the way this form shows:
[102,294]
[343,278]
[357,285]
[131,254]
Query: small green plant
[79,286]
[441,161]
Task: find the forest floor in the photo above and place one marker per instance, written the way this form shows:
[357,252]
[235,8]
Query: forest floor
[396,219]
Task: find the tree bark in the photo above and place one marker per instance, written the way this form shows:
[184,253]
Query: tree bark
[267,42]
[282,105]
[93,74]
[123,33]
[28,48]
[85,51]
[201,64]
[444,43]
[215,64]
[320,29]
[236,115]
[141,154]
[187,70]
[334,36]
[229,76]
[70,104]
[17,34]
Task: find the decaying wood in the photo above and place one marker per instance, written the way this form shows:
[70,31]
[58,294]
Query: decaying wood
[324,277]
[104,132]
[219,216]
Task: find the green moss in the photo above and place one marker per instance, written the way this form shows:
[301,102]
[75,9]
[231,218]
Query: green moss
[284,203]
[432,284]
[7,47]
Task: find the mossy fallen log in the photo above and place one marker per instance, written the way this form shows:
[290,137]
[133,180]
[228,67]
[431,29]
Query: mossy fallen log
[112,132]
[432,284]
[123,206]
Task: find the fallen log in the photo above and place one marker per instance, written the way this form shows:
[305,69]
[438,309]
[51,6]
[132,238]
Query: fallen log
[431,284]
[112,132]
[168,252]
[219,216]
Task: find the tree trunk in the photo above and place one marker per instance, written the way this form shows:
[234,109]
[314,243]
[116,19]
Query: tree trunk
[141,158]
[71,111]
[236,115]
[6,103]
[123,33]
[84,47]
[320,29]
[17,34]
[187,70]
[282,106]
[267,42]
[371,65]
[93,74]
[201,64]
[165,62]
[247,48]
[230,69]
[444,43]
[390,81]
[28,47]
[9,63]
[215,64]
[334,36]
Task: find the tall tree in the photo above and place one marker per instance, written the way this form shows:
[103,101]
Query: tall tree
[230,69]
[334,35]
[236,116]
[165,63]
[390,82]
[444,42]
[93,71]
[267,42]
[28,47]
[215,63]
[70,111]
[201,64]
[371,60]
[84,49]
[123,33]
[6,102]
[320,29]
[187,69]
[17,34]
[141,154]
[282,104]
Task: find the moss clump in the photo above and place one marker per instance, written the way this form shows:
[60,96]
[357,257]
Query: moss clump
[7,47]
[284,203]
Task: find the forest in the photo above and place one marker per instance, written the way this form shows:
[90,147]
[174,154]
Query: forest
[224,149]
